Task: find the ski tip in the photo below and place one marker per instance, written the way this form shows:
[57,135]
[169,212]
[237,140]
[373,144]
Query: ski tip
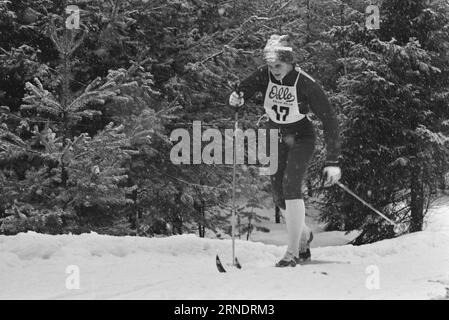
[237,263]
[219,264]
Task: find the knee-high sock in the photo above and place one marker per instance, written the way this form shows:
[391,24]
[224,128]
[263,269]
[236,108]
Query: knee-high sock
[295,213]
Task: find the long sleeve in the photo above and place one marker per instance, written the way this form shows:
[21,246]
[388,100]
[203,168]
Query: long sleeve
[254,83]
[320,106]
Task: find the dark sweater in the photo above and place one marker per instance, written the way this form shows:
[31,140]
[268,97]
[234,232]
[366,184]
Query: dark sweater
[311,97]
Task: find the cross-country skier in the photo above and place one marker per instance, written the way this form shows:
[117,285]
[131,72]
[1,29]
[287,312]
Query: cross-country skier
[289,94]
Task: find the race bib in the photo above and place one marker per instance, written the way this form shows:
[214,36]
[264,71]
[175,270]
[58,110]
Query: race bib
[281,103]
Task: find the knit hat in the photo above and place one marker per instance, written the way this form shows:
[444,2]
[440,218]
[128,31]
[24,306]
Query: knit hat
[277,47]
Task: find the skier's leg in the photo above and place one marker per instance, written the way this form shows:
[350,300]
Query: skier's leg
[304,238]
[299,156]
[277,178]
[294,218]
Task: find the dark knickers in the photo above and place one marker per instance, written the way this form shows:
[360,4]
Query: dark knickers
[294,155]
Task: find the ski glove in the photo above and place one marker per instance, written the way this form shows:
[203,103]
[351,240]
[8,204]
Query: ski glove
[331,174]
[236,99]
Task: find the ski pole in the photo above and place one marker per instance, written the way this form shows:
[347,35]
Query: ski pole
[236,126]
[236,118]
[341,185]
[235,261]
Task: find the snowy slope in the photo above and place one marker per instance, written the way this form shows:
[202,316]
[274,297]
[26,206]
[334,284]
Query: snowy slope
[414,266]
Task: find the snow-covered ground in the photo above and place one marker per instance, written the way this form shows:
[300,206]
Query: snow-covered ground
[36,266]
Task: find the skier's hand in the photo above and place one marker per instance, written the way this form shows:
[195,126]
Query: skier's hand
[236,99]
[331,174]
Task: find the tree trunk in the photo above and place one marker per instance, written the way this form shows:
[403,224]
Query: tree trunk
[308,36]
[200,230]
[277,214]
[442,182]
[202,213]
[177,224]
[417,200]
[65,95]
[249,229]
[134,216]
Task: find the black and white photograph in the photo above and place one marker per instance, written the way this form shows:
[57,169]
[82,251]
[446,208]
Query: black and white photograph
[241,152]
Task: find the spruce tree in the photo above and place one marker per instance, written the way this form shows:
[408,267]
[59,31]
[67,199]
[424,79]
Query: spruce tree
[76,181]
[394,137]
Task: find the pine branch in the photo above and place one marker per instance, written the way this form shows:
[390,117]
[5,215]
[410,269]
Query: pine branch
[87,97]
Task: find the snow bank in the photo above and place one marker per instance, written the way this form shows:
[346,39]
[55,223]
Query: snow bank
[414,266]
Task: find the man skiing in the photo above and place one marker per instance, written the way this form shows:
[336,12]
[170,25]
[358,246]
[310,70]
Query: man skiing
[288,93]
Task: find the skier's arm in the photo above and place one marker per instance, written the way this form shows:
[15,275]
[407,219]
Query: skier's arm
[252,84]
[320,106]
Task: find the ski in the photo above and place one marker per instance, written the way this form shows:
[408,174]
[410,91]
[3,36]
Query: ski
[220,265]
[237,263]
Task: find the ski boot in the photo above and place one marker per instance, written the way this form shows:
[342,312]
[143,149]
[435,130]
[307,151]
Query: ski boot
[305,256]
[286,261]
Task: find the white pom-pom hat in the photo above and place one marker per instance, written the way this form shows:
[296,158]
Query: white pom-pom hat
[274,45]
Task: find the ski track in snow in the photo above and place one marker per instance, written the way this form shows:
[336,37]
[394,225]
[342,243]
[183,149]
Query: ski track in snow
[413,266]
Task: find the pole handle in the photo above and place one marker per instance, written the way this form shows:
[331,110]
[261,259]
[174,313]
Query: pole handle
[235,86]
